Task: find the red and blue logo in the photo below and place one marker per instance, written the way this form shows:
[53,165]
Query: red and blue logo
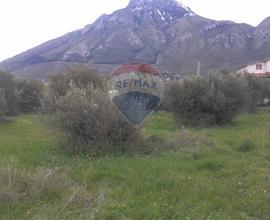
[136,90]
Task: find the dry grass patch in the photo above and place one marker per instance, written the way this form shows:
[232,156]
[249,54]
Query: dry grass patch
[45,193]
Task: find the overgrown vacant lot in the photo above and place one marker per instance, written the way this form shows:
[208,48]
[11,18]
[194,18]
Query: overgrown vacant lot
[216,173]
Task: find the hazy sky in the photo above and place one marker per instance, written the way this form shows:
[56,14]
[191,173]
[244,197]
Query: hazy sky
[27,23]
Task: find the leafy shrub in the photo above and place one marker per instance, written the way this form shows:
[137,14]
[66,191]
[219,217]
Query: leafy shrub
[165,104]
[18,96]
[60,83]
[30,94]
[3,104]
[260,89]
[205,101]
[90,124]
[9,91]
[79,76]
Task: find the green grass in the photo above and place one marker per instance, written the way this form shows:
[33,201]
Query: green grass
[26,141]
[225,180]
[160,124]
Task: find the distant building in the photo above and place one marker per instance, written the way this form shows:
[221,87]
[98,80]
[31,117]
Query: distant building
[171,76]
[259,68]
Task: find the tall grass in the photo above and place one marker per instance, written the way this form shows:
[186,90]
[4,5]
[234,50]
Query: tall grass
[208,177]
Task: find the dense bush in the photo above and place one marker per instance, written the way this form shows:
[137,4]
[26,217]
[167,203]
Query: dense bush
[9,92]
[213,100]
[60,83]
[18,96]
[260,90]
[78,104]
[90,124]
[79,76]
[30,94]
[165,104]
[3,104]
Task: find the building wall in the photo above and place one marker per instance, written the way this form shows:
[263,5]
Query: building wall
[268,66]
[253,70]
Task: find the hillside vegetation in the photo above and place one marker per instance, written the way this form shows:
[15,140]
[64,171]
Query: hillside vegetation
[214,173]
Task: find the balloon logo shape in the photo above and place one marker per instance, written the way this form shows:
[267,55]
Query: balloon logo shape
[136,90]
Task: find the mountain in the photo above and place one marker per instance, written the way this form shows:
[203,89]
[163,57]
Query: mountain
[164,33]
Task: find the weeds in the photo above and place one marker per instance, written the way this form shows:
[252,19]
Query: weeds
[246,146]
[184,141]
[45,185]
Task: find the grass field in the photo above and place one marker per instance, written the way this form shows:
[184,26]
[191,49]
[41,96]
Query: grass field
[215,173]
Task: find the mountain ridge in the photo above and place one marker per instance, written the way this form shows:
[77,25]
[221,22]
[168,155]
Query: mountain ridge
[164,33]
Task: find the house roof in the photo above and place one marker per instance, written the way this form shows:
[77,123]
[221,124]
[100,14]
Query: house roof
[258,61]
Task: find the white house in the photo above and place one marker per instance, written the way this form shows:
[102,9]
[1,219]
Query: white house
[259,68]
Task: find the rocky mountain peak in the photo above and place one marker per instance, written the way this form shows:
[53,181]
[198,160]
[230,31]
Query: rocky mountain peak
[135,3]
[165,9]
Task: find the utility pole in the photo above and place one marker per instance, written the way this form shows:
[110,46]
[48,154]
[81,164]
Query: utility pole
[199,69]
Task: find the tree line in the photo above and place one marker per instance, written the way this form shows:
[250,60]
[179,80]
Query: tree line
[78,108]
